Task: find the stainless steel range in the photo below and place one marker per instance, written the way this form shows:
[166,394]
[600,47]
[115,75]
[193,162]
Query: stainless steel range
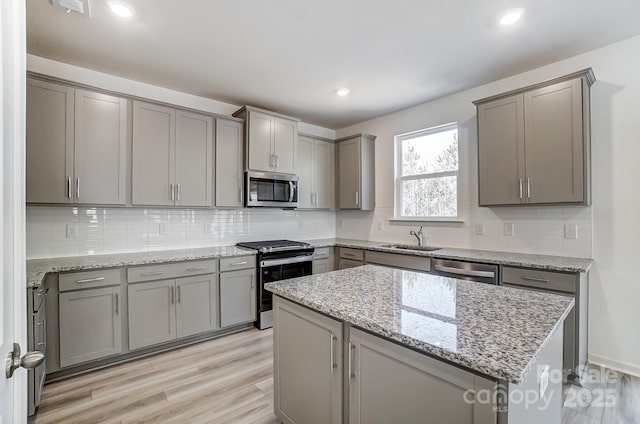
[277,260]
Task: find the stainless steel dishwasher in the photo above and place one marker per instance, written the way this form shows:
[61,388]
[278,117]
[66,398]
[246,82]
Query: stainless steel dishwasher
[470,271]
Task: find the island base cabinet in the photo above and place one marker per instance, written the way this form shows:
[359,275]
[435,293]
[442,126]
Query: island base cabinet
[307,365]
[90,325]
[392,384]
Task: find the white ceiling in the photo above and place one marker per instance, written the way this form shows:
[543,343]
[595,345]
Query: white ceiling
[291,55]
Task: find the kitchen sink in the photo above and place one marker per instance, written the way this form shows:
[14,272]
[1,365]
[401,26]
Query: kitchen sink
[410,247]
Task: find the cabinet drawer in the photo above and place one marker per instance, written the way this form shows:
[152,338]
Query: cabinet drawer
[174,270]
[395,260]
[348,263]
[89,279]
[239,262]
[322,253]
[545,280]
[353,254]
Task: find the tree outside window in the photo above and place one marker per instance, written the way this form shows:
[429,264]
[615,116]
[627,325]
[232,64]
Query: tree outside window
[427,173]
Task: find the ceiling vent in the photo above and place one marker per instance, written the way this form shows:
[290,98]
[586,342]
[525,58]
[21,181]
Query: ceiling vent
[77,6]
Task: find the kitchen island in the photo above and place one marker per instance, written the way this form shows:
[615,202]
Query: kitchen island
[376,345]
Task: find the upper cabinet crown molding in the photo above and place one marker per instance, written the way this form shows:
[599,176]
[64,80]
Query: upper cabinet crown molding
[76,145]
[534,144]
[271,140]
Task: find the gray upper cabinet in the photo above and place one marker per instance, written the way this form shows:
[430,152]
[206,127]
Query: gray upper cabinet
[271,140]
[76,145]
[315,166]
[172,157]
[90,325]
[229,167]
[237,297]
[194,159]
[100,149]
[534,144]
[356,172]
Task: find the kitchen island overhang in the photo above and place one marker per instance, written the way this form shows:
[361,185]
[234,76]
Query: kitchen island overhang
[511,339]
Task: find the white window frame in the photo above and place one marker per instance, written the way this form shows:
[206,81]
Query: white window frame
[397,149]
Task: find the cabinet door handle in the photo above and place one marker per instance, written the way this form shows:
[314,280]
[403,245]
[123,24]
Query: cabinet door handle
[277,158]
[117,304]
[178,192]
[253,285]
[240,195]
[521,188]
[351,349]
[357,199]
[90,280]
[332,364]
[77,187]
[539,280]
[239,263]
[172,295]
[271,161]
[172,192]
[528,188]
[179,297]
[148,274]
[69,187]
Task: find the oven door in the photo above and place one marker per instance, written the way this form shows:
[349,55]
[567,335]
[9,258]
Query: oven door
[281,269]
[271,189]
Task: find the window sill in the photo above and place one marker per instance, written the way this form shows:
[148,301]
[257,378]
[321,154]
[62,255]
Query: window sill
[454,220]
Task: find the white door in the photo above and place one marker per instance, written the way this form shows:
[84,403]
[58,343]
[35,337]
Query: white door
[13,391]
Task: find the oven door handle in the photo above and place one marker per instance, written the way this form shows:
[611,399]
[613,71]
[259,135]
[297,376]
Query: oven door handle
[285,261]
[292,191]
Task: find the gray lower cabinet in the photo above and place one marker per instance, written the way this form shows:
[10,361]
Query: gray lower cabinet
[152,313]
[394,260]
[196,304]
[389,383]
[323,260]
[237,297]
[348,263]
[307,365]
[90,325]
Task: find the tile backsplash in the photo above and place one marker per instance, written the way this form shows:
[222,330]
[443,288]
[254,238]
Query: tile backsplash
[72,231]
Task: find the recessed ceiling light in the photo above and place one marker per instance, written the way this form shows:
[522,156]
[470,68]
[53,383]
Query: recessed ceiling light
[342,91]
[511,17]
[121,9]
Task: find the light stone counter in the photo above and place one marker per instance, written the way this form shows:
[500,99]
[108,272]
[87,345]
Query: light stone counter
[38,268]
[524,260]
[496,331]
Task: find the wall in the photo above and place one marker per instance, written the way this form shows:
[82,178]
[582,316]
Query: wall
[609,230]
[115,230]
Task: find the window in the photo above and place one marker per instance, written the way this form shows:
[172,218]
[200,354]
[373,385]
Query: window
[427,173]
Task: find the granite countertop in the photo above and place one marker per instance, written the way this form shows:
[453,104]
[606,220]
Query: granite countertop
[544,262]
[493,330]
[38,268]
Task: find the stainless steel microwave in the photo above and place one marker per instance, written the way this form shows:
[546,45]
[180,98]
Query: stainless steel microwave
[270,189]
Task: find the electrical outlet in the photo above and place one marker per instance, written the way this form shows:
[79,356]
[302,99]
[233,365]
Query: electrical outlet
[480,229]
[162,229]
[380,225]
[571,231]
[508,229]
[72,231]
[543,380]
[208,227]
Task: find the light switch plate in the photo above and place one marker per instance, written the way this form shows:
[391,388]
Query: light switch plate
[162,229]
[571,231]
[72,231]
[508,229]
[544,380]
[480,229]
[380,225]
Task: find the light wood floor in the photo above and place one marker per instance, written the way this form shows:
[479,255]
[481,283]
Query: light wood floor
[230,380]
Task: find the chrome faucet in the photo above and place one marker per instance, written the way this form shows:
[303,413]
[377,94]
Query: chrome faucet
[418,235]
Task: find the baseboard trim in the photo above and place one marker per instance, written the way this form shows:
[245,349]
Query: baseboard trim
[615,365]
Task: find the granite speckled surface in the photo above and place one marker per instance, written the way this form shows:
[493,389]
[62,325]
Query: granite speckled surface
[38,268]
[493,330]
[524,260]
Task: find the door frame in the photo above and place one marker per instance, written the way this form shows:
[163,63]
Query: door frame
[12,155]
